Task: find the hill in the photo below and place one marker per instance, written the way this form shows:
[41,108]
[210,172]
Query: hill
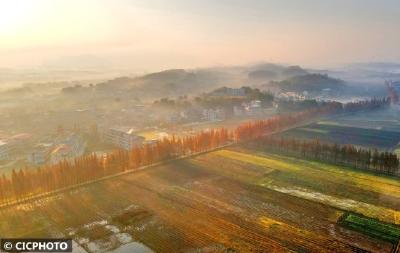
[174,82]
[178,82]
[269,71]
[310,83]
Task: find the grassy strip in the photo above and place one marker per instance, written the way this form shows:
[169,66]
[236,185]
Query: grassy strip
[372,227]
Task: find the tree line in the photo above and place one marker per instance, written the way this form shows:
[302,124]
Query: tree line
[381,162]
[372,104]
[27,182]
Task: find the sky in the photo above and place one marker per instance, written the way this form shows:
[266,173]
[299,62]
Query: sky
[161,34]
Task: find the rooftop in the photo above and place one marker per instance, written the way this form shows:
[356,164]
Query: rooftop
[128,130]
[62,148]
[21,136]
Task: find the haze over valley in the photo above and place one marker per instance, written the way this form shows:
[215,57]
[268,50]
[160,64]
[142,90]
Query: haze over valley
[200,126]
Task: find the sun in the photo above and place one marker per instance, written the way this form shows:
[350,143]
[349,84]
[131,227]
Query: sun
[14,14]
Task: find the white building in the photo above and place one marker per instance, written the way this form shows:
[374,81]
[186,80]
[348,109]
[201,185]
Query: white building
[123,137]
[254,108]
[326,92]
[213,114]
[293,96]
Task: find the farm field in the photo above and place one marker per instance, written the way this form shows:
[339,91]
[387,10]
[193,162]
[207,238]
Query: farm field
[387,119]
[230,200]
[379,129]
[372,227]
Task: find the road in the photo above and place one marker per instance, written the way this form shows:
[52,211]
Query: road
[72,187]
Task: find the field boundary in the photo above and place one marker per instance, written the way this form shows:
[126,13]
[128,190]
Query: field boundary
[341,164]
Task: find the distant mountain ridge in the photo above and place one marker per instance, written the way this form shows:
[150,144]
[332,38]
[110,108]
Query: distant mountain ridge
[173,82]
[177,82]
[269,71]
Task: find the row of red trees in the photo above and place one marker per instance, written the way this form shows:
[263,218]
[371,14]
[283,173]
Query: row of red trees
[256,129]
[382,162]
[28,182]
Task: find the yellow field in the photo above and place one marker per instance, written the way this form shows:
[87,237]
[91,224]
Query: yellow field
[361,184]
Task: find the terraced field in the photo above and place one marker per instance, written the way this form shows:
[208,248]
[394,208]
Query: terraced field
[231,200]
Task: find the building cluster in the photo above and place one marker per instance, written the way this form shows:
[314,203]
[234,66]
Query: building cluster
[213,114]
[185,116]
[251,108]
[292,96]
[23,147]
[65,147]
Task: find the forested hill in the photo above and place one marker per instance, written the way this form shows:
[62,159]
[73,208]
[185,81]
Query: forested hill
[172,82]
[269,71]
[310,83]
[178,82]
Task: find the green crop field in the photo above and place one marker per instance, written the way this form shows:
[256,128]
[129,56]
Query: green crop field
[233,200]
[372,227]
